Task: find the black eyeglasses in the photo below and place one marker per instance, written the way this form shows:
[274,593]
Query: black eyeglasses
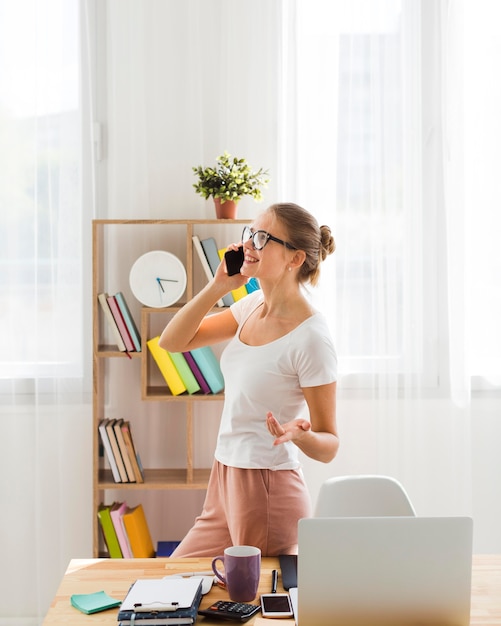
[260,238]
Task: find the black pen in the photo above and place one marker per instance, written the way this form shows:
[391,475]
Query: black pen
[274,580]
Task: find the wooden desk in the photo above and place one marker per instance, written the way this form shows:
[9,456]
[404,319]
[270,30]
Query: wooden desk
[116,575]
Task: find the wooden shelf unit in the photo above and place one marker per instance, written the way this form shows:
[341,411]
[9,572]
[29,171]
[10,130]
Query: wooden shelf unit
[190,477]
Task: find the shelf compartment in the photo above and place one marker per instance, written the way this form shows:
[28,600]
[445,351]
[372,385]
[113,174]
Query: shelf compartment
[158,479]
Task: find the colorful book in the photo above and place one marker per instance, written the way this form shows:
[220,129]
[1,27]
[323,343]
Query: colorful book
[203,260]
[252,285]
[109,533]
[122,326]
[110,431]
[204,387]
[109,452]
[117,427]
[209,366]
[239,293]
[210,249]
[129,321]
[138,532]
[183,369]
[103,301]
[133,455]
[116,513]
[166,366]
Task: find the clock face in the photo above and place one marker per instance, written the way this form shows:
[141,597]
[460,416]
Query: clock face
[158,279]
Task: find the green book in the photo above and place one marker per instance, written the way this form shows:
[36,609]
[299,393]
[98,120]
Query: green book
[110,535]
[184,370]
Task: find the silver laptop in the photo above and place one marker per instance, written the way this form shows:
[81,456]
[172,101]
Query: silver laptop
[384,571]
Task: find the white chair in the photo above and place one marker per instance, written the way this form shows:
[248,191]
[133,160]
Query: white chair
[363,496]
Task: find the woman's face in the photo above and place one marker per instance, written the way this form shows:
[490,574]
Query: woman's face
[271,261]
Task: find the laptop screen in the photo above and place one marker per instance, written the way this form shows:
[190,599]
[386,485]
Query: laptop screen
[384,570]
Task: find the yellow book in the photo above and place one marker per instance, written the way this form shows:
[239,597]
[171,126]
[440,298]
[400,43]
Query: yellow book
[166,366]
[239,293]
[138,533]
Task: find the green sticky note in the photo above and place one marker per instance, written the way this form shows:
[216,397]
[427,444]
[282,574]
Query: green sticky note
[93,602]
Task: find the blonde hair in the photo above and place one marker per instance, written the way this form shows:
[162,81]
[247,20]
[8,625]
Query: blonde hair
[304,233]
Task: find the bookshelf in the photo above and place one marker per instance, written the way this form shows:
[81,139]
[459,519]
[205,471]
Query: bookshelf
[116,244]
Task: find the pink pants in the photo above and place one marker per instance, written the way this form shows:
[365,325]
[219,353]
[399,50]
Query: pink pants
[248,507]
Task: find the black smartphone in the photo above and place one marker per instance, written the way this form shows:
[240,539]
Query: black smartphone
[234,260]
[276,605]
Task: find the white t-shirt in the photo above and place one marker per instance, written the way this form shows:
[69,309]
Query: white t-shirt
[266,378]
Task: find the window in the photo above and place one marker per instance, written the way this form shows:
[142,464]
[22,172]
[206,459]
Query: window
[40,190]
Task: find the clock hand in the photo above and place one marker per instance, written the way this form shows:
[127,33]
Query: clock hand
[167,280]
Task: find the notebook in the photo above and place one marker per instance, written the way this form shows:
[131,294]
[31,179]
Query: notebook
[384,571]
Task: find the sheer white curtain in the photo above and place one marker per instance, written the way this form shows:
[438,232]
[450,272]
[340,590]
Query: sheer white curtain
[379,159]
[43,363]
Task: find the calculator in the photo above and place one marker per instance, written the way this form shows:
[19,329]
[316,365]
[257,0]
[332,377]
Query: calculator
[225,609]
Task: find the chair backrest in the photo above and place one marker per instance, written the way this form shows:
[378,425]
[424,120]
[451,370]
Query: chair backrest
[363,496]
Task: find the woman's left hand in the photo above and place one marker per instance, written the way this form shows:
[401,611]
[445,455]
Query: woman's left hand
[286,432]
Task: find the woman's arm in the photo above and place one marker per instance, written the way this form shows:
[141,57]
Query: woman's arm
[192,328]
[319,439]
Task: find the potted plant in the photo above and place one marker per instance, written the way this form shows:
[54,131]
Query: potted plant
[228,181]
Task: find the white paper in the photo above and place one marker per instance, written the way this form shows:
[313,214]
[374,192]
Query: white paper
[162,592]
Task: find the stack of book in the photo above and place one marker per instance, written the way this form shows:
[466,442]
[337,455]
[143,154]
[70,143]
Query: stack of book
[210,256]
[125,531]
[118,444]
[195,371]
[120,321]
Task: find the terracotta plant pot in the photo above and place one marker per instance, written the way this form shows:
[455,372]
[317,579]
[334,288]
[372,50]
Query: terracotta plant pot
[225,210]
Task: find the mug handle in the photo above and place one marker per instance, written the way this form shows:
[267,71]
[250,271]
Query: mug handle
[216,571]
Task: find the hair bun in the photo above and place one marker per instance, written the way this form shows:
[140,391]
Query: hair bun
[328,245]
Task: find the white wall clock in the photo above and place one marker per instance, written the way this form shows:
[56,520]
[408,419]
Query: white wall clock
[158,279]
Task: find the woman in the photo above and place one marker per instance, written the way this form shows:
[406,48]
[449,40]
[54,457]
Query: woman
[280,386]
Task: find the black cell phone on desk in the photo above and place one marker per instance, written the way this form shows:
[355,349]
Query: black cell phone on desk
[234,260]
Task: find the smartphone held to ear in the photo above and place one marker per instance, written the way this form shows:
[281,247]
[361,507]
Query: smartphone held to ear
[276,605]
[234,260]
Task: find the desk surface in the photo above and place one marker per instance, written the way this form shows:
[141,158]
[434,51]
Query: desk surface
[116,575]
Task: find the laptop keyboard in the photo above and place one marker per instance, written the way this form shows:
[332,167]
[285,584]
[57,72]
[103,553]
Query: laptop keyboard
[288,567]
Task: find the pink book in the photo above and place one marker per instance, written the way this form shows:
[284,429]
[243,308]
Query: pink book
[116,513]
[196,372]
[122,326]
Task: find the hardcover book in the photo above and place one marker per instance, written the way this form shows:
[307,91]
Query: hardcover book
[116,513]
[109,452]
[109,533]
[183,369]
[203,260]
[117,427]
[210,249]
[129,321]
[204,387]
[103,301]
[133,455]
[122,326]
[209,366]
[166,366]
[116,450]
[138,532]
